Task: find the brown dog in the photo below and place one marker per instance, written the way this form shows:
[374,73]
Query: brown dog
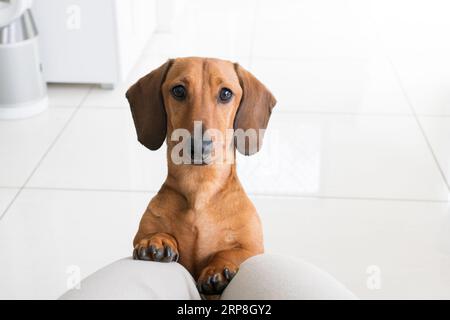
[201,215]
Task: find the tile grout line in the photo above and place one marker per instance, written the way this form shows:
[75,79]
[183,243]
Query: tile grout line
[52,144]
[270,58]
[408,101]
[422,130]
[291,196]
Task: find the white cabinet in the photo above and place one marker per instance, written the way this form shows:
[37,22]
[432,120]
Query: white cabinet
[92,41]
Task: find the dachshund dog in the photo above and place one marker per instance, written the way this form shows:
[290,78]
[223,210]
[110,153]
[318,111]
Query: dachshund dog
[201,216]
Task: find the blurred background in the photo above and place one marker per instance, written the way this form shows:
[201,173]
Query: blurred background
[354,174]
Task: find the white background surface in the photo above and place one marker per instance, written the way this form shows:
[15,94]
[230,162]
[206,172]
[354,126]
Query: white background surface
[354,171]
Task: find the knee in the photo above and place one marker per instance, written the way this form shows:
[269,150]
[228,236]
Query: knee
[133,279]
[270,276]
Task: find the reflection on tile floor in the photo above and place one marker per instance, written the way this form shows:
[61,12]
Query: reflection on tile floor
[24,142]
[353,174]
[406,241]
[47,231]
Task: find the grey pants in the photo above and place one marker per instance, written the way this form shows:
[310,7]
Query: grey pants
[260,277]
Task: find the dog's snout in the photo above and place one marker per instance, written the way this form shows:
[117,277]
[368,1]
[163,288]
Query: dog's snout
[200,150]
[206,146]
[203,147]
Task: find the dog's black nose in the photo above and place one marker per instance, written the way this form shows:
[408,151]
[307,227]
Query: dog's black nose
[206,147]
[200,150]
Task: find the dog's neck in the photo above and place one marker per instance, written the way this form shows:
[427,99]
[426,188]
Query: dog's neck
[200,184]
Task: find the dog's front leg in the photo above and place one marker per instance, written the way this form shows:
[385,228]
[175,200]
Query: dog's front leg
[161,247]
[221,269]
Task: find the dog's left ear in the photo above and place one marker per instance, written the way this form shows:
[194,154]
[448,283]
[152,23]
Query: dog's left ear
[254,110]
[147,107]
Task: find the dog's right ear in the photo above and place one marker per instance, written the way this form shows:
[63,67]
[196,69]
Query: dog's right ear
[147,107]
[254,110]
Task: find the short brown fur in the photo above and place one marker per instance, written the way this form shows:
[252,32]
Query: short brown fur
[201,212]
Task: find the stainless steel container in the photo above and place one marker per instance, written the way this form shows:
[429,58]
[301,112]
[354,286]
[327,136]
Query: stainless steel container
[23,91]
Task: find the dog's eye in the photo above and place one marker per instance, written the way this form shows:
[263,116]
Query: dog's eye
[225,95]
[179,92]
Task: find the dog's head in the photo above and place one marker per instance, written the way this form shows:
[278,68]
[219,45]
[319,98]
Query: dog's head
[206,98]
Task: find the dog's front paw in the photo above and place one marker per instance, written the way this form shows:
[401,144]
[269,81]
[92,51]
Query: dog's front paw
[160,247]
[214,279]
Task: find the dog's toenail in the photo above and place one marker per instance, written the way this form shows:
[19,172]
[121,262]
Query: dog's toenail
[228,274]
[143,253]
[159,254]
[167,251]
[215,279]
[152,250]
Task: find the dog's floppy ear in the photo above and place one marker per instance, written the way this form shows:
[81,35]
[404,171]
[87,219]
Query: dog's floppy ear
[147,107]
[254,110]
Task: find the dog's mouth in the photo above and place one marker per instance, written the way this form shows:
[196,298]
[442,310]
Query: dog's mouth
[200,164]
[197,153]
[201,160]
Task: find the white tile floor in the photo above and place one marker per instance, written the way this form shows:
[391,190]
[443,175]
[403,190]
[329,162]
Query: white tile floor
[354,171]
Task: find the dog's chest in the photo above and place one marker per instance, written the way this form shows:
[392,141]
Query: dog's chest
[201,234]
[208,228]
